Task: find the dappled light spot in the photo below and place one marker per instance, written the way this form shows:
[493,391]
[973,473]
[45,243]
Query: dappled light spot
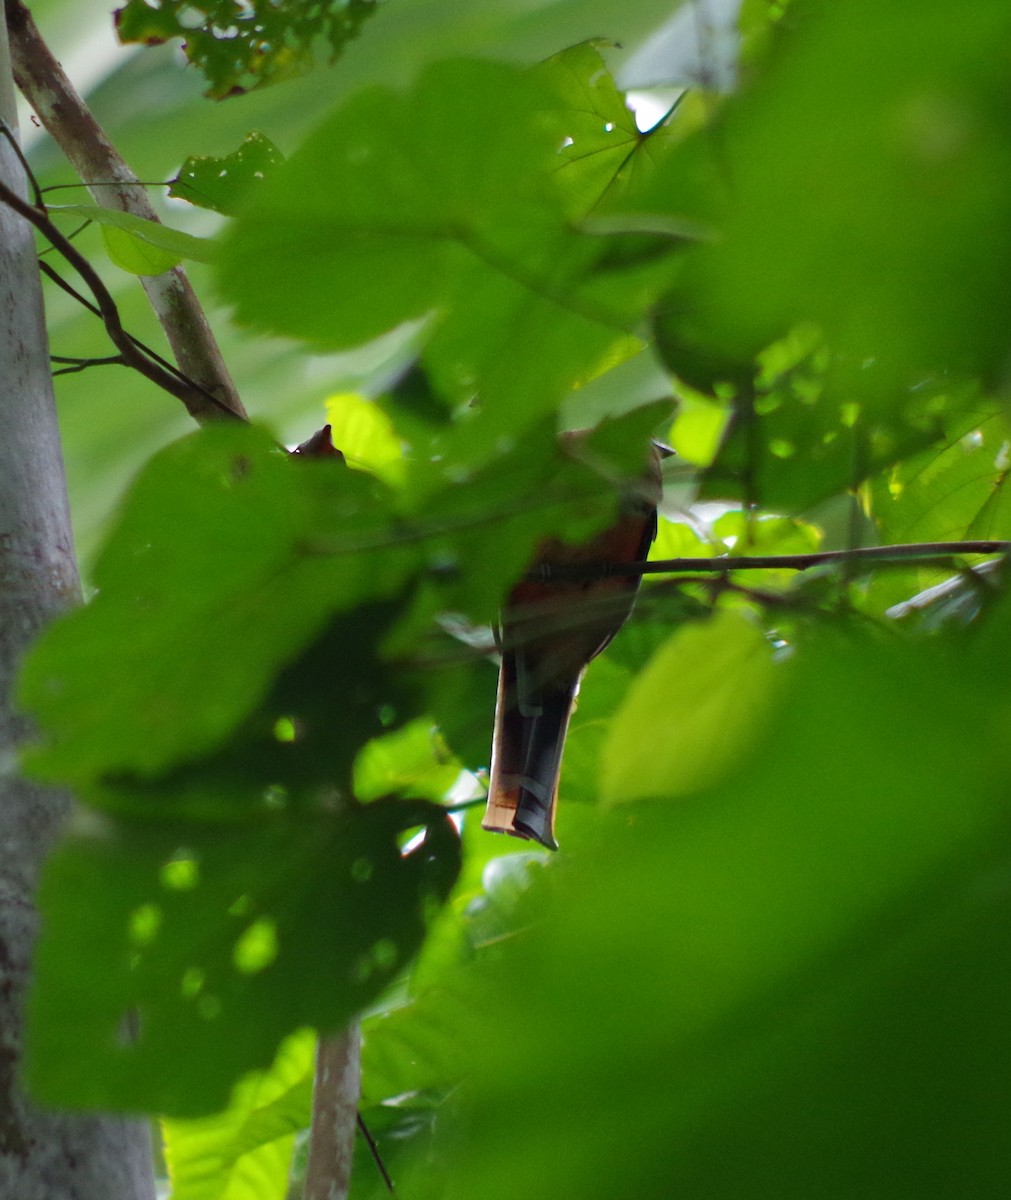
[882,442]
[189,18]
[276,796]
[256,948]
[209,1007]
[285,729]
[129,1029]
[145,922]
[180,874]
[362,869]
[242,906]
[384,954]
[782,448]
[192,982]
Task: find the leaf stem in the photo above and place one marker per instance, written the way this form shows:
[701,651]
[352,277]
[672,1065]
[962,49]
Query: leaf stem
[198,400]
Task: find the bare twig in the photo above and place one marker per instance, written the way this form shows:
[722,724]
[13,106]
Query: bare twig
[65,115]
[918,552]
[370,1141]
[73,366]
[143,347]
[197,400]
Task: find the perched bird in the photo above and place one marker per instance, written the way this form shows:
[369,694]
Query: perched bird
[549,631]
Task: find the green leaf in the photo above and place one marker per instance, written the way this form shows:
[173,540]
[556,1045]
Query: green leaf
[227,562]
[244,1152]
[222,182]
[769,973]
[492,518]
[815,168]
[602,137]
[140,243]
[412,761]
[365,436]
[238,47]
[138,257]
[693,713]
[956,489]
[177,955]
[444,207]
[377,228]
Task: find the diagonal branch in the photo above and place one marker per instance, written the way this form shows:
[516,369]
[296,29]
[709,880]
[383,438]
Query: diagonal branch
[197,400]
[65,115]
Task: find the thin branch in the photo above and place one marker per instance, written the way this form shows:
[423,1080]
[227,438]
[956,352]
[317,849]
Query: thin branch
[919,552]
[65,115]
[197,400]
[370,1141]
[74,366]
[143,347]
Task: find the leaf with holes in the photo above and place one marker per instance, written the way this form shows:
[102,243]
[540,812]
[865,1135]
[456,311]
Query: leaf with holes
[239,47]
[443,206]
[221,183]
[230,551]
[177,955]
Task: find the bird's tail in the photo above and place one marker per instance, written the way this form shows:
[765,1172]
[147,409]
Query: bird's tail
[526,757]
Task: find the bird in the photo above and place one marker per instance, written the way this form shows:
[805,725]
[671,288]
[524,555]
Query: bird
[549,630]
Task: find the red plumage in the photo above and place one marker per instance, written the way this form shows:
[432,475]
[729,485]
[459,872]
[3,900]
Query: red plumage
[549,631]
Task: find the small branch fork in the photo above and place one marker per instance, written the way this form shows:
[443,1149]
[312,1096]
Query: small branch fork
[920,553]
[131,352]
[69,121]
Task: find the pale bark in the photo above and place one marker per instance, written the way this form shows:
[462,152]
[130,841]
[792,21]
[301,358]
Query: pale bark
[42,1155]
[67,118]
[334,1116]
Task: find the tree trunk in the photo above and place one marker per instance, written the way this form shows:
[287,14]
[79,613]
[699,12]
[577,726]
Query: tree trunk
[334,1115]
[42,1156]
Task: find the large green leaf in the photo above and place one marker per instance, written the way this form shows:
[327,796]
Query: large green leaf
[445,206]
[862,182]
[751,983]
[692,713]
[227,561]
[177,955]
[244,1152]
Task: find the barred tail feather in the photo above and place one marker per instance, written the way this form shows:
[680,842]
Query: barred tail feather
[527,757]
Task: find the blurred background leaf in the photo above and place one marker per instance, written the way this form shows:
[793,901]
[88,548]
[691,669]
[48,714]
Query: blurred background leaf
[729,993]
[862,112]
[236,48]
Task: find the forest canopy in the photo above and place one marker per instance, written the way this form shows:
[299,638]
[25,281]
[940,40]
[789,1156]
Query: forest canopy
[769,957]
